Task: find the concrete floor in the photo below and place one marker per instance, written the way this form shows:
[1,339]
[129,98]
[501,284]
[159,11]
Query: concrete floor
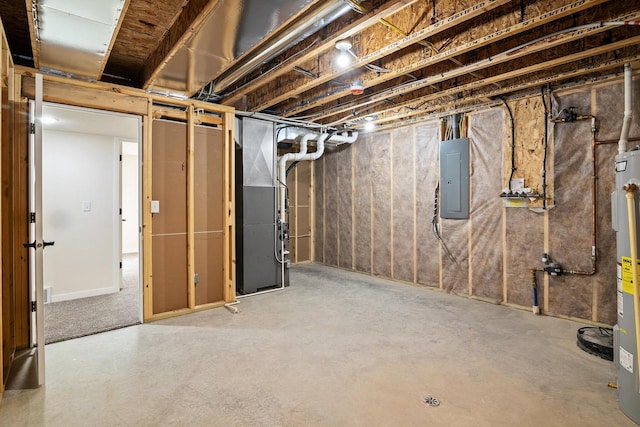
[334,349]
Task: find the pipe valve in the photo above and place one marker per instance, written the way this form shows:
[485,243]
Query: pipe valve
[551,268]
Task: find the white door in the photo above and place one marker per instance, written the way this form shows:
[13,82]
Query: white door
[130,198]
[36,240]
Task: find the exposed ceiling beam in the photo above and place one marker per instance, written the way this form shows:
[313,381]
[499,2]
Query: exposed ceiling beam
[32,32]
[400,69]
[418,35]
[518,87]
[501,58]
[512,74]
[328,44]
[123,13]
[185,26]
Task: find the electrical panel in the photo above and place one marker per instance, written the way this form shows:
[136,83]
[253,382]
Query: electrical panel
[454,179]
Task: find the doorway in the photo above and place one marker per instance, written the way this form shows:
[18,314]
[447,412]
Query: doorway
[90,186]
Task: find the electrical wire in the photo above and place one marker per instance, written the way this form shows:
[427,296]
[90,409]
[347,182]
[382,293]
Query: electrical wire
[546,144]
[392,91]
[435,226]
[513,141]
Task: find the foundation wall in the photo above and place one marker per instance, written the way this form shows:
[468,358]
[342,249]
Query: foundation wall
[385,207]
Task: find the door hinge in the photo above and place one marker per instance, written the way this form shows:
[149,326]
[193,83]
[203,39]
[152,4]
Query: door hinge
[120,264]
[32,217]
[120,211]
[33,306]
[32,128]
[120,157]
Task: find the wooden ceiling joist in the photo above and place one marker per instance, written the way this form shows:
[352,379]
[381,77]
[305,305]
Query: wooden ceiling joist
[185,26]
[470,103]
[398,70]
[481,65]
[416,36]
[125,6]
[453,106]
[328,44]
[520,72]
[32,33]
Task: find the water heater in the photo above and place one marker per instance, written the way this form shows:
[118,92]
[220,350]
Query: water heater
[625,334]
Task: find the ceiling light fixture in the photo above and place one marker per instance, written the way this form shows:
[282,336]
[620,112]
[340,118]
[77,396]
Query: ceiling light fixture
[343,60]
[48,120]
[369,125]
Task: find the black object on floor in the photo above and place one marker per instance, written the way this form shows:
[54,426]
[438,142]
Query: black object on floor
[597,341]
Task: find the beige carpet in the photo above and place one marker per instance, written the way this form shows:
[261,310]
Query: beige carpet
[86,316]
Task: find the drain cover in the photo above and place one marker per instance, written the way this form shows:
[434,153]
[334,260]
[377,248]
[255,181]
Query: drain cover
[431,401]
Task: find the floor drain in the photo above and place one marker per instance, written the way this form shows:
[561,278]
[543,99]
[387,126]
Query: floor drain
[431,401]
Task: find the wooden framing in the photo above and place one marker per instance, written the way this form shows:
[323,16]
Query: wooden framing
[521,27]
[191,208]
[127,100]
[186,25]
[457,19]
[8,308]
[483,64]
[328,44]
[116,30]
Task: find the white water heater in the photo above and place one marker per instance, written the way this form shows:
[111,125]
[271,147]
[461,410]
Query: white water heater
[625,336]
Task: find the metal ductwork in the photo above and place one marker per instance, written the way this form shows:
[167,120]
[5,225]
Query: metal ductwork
[222,51]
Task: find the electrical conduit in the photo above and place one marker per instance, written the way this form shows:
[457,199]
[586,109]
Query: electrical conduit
[631,214]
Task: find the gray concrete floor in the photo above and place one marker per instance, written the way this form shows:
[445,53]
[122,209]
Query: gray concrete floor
[334,349]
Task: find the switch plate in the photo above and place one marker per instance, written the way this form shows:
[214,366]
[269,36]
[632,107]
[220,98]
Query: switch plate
[155,206]
[86,205]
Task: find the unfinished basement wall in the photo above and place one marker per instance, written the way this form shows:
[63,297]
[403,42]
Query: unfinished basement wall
[378,219]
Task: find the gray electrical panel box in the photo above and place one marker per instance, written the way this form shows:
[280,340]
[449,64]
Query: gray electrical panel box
[454,179]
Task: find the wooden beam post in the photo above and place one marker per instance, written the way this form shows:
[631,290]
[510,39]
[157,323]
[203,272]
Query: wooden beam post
[191,246]
[147,220]
[229,253]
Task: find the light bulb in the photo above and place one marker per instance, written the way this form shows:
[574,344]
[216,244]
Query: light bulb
[343,60]
[369,126]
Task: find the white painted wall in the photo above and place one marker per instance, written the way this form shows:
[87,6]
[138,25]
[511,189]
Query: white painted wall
[130,211]
[79,168]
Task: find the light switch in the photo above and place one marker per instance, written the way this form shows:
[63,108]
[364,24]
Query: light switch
[155,206]
[86,205]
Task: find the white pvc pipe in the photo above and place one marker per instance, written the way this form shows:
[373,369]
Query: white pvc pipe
[282,169]
[628,112]
[282,179]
